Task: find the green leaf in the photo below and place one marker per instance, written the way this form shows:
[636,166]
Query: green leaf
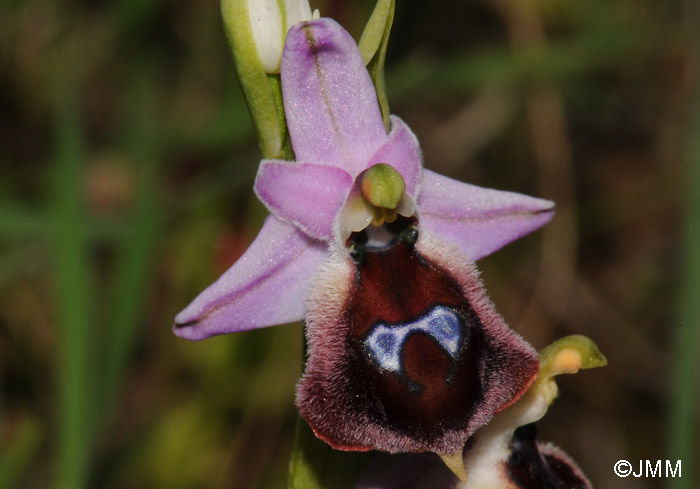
[315,465]
[373,44]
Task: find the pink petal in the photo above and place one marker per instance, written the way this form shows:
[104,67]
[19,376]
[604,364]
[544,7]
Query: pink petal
[265,287]
[478,220]
[402,151]
[304,194]
[329,100]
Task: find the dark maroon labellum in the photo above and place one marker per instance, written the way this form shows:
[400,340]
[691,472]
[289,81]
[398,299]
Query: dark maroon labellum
[433,384]
[412,357]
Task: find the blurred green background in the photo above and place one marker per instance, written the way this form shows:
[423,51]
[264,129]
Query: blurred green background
[127,160]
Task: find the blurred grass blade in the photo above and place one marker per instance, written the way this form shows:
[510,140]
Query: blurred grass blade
[133,267]
[73,291]
[315,465]
[130,286]
[685,397]
[15,457]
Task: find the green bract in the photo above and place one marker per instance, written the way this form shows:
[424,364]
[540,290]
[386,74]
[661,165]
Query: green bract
[256,59]
[373,45]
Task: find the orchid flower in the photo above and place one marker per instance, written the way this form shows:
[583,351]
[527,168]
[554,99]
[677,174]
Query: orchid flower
[405,351]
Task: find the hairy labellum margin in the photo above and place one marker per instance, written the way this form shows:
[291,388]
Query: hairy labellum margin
[406,352]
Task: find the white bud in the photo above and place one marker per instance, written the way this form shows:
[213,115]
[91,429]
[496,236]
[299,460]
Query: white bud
[270,20]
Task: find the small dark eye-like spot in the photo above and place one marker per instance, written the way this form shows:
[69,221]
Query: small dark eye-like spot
[357,251]
[410,235]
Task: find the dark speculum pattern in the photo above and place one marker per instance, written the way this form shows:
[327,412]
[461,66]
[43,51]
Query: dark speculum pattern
[529,468]
[430,376]
[385,344]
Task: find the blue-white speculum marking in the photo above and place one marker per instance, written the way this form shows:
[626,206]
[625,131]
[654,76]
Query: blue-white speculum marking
[385,342]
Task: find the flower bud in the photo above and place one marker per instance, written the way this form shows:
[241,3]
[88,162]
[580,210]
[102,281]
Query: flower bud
[270,20]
